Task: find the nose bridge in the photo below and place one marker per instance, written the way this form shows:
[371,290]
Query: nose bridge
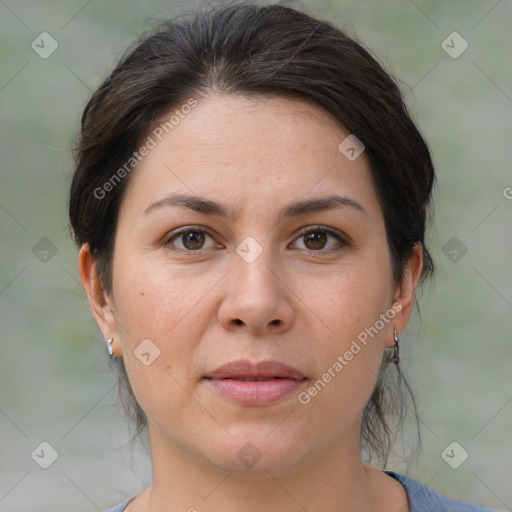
[254,264]
[256,297]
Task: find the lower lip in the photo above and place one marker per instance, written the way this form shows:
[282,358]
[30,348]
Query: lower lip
[260,392]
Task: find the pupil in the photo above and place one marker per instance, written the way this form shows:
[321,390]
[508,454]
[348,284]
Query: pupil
[194,240]
[318,239]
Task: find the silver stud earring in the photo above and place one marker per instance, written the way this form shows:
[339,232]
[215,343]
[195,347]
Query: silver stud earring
[109,347]
[396,351]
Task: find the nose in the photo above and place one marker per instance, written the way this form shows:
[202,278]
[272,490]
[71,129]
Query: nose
[257,297]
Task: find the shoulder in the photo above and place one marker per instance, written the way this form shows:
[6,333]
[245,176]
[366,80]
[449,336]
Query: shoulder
[424,499]
[120,507]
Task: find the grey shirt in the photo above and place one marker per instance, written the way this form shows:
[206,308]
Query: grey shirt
[421,499]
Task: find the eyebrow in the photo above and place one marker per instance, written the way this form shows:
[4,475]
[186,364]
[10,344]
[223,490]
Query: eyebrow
[207,206]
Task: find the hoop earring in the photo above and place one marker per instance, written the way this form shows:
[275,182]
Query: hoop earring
[109,347]
[396,350]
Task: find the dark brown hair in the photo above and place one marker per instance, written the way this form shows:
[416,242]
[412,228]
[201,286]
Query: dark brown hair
[253,50]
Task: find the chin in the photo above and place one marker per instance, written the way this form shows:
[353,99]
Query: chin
[256,451]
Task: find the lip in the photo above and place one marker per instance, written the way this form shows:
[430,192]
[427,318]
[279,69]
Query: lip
[259,383]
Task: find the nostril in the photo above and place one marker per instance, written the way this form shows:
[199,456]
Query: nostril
[238,321]
[275,322]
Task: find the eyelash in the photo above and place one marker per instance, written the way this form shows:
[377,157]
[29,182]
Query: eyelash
[315,229]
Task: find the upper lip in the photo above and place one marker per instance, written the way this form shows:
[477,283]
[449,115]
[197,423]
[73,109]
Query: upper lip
[243,369]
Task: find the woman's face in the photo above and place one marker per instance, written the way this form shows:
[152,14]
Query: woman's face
[290,265]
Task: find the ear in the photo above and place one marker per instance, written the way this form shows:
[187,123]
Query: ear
[101,303]
[405,293]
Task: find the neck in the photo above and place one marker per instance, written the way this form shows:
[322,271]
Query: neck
[333,480]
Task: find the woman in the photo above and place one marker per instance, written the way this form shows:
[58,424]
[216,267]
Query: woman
[250,202]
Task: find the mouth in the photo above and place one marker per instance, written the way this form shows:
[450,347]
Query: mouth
[260,383]
[243,369]
[254,379]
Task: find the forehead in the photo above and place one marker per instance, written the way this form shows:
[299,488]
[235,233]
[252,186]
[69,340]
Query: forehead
[268,146]
[238,127]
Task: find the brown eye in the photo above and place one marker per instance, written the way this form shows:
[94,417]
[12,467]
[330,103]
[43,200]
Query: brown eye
[189,240]
[193,240]
[315,240]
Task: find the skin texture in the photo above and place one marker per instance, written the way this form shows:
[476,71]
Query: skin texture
[300,302]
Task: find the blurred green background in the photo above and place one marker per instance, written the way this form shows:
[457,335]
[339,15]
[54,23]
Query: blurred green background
[56,385]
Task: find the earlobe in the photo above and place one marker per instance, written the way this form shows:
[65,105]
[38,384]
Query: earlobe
[99,301]
[406,292]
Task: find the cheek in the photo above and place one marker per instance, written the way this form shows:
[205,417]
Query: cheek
[153,304]
[348,302]
[350,336]
[169,311]
[154,301]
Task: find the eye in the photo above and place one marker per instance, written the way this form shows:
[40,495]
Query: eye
[190,238]
[316,239]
